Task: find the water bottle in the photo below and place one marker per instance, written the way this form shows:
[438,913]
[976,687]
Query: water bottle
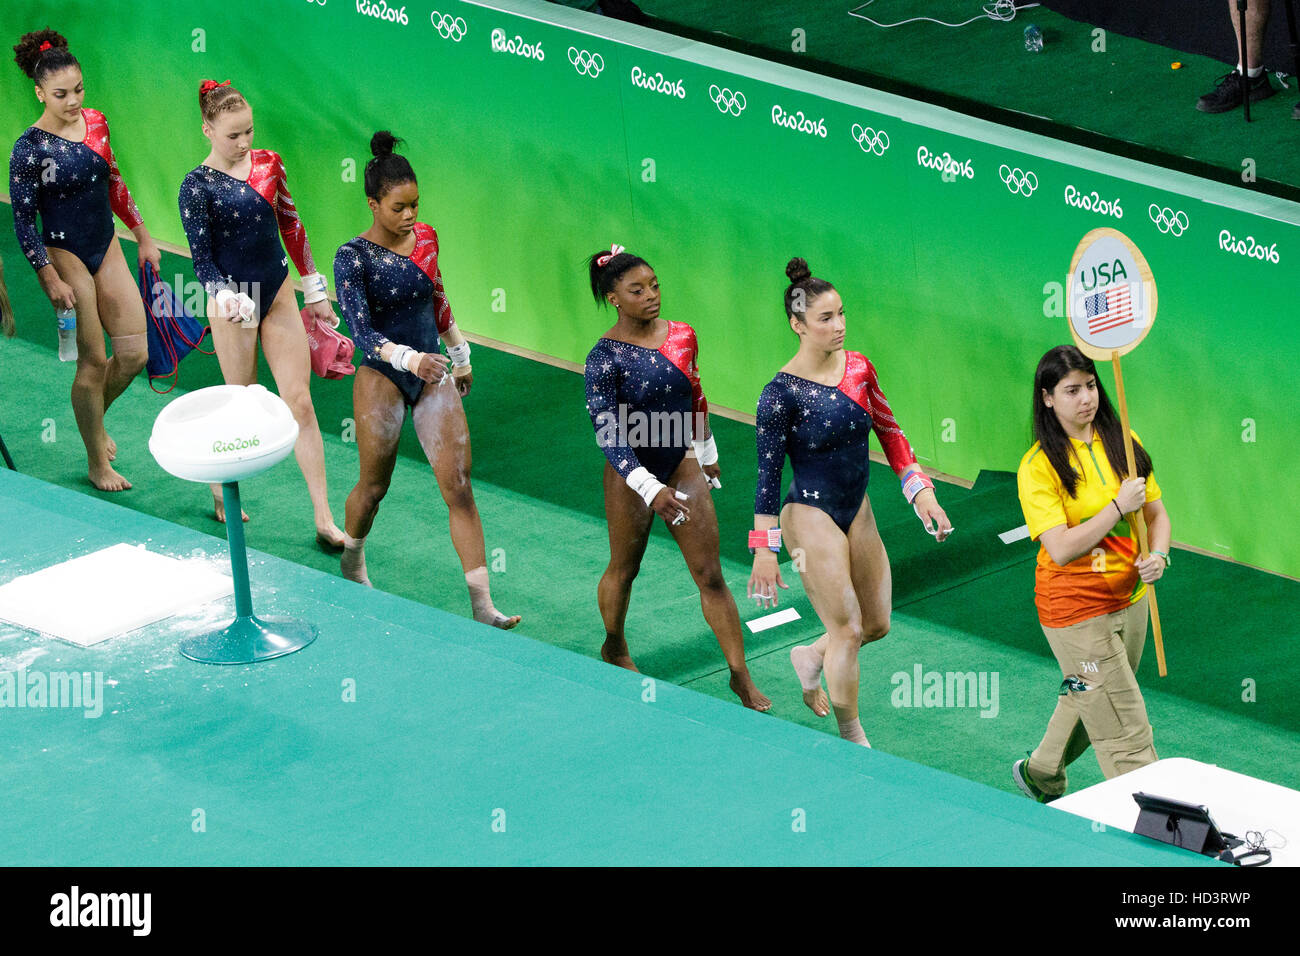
[1033,38]
[67,334]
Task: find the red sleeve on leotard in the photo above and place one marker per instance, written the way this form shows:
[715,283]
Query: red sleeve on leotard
[286,213]
[119,197]
[425,255]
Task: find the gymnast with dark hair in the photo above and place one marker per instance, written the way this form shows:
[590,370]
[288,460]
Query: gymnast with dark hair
[63,170]
[235,207]
[652,422]
[819,410]
[391,292]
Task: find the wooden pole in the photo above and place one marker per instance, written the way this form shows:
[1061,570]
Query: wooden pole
[1136,518]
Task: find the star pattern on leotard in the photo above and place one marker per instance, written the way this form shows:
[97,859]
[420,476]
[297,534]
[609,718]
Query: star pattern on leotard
[386,297]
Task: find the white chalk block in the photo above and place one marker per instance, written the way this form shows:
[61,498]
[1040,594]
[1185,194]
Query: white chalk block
[107,593]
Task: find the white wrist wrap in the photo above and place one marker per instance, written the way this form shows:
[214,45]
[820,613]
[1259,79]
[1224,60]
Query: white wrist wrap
[644,484]
[401,355]
[313,288]
[706,451]
[459,354]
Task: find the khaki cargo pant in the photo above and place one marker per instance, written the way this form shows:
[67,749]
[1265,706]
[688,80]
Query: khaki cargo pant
[1103,652]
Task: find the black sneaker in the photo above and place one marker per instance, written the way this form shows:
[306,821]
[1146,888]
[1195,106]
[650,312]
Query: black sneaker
[1226,94]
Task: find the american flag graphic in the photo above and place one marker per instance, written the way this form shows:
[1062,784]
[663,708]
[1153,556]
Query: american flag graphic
[1108,310]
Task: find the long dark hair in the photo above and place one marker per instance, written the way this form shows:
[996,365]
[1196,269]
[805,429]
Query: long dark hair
[1052,367]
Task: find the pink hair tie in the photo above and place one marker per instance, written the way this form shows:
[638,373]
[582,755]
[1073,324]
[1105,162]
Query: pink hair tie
[207,86]
[46,46]
[614,250]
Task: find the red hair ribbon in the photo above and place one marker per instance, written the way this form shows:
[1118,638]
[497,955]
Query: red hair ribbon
[207,86]
[614,250]
[46,46]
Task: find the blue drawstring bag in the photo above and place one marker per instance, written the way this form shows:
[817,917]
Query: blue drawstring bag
[173,332]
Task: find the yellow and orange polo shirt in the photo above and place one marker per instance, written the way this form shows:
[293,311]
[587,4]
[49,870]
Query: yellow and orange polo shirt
[1096,583]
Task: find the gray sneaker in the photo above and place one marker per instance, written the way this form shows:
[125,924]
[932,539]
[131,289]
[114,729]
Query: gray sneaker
[1226,94]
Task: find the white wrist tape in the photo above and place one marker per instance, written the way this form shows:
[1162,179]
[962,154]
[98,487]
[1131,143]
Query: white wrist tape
[313,288]
[644,484]
[706,451]
[400,358]
[459,354]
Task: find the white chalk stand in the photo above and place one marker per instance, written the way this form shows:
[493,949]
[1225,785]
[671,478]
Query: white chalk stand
[225,434]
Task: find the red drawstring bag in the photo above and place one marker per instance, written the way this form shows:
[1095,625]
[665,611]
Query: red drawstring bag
[331,350]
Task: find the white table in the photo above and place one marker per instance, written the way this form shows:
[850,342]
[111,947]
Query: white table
[1236,802]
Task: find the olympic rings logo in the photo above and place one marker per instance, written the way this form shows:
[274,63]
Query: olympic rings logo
[587,64]
[870,140]
[1019,181]
[449,27]
[726,101]
[1168,221]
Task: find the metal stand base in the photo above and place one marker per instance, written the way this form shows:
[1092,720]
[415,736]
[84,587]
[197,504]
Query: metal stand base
[247,639]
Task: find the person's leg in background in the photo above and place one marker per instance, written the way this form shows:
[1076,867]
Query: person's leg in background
[1227,95]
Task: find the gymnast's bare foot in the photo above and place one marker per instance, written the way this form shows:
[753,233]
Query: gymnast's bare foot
[106,479]
[808,665]
[219,511]
[742,685]
[614,651]
[111,446]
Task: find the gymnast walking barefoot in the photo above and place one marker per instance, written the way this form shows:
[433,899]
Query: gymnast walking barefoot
[819,410]
[645,369]
[63,169]
[391,292]
[232,207]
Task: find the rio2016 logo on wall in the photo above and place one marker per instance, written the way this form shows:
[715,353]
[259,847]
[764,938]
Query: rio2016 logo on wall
[659,83]
[727,101]
[947,166]
[1248,247]
[382,11]
[448,26]
[870,140]
[503,44]
[798,122]
[1093,202]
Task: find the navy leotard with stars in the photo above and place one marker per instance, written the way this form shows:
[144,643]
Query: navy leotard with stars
[824,430]
[234,228]
[647,382]
[387,297]
[75,187]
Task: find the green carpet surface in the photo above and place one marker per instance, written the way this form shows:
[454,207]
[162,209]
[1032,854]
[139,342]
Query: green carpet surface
[1124,99]
[965,606]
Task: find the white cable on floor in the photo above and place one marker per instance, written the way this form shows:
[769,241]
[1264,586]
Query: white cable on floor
[1003,11]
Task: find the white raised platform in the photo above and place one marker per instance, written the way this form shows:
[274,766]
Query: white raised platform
[1236,802]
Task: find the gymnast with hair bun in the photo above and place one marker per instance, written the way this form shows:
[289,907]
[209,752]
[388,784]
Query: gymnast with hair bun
[62,169]
[819,410]
[235,208]
[652,422]
[391,292]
